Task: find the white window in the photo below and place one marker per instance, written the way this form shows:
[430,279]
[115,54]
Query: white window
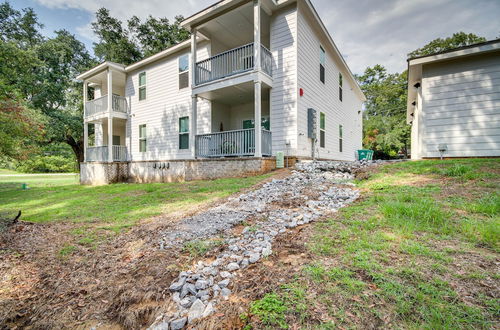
[340,138]
[183,71]
[340,86]
[322,64]
[142,86]
[322,129]
[142,138]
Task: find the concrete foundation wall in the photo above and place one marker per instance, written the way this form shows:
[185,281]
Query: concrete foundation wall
[95,173]
[173,171]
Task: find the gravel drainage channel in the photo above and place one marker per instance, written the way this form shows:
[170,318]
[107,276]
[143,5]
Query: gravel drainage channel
[313,190]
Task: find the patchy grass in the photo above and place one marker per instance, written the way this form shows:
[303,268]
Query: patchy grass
[112,207]
[199,248]
[419,250]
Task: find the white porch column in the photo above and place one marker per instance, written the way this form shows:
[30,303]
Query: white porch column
[85,124]
[193,129]
[256,33]
[193,57]
[110,115]
[258,123]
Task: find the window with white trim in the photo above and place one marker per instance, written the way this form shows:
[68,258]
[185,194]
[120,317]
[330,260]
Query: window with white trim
[322,64]
[322,129]
[142,138]
[142,86]
[183,71]
[340,138]
[184,133]
[340,86]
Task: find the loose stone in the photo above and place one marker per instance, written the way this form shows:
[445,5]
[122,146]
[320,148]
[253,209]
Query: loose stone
[178,324]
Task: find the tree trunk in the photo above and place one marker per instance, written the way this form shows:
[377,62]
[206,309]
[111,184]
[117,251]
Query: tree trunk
[78,149]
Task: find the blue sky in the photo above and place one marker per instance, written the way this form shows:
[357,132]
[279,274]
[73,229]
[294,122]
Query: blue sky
[367,32]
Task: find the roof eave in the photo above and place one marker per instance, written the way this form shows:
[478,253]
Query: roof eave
[99,68]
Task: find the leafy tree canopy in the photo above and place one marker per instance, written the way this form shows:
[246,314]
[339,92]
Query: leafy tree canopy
[438,45]
[138,40]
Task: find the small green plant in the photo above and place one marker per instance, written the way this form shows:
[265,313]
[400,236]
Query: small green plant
[270,310]
[67,250]
[459,170]
[198,248]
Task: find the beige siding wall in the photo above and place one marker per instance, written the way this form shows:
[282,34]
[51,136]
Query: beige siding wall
[461,107]
[161,110]
[325,97]
[283,98]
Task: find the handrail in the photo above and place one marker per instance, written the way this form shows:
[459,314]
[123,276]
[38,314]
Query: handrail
[231,143]
[100,105]
[232,62]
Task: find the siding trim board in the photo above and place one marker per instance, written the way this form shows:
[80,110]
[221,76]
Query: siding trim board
[460,107]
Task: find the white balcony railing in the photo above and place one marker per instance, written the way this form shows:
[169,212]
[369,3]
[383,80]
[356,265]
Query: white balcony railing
[232,62]
[232,143]
[100,154]
[100,105]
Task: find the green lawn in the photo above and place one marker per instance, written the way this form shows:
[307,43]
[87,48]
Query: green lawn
[418,251]
[60,198]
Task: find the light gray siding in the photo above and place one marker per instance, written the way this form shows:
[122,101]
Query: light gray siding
[283,99]
[325,97]
[461,107]
[161,110]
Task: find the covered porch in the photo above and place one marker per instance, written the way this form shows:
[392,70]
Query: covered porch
[103,142]
[234,130]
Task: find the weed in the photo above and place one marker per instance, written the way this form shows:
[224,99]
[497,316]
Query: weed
[67,250]
[270,310]
[198,248]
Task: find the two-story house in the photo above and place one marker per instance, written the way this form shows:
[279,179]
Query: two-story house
[256,78]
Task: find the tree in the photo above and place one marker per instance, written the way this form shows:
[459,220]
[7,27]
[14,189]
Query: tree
[384,123]
[157,34]
[438,45]
[42,73]
[114,43]
[385,130]
[136,41]
[19,26]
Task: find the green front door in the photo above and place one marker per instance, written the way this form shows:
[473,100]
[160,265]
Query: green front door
[250,123]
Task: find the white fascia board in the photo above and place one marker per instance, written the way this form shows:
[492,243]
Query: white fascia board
[101,67]
[459,53]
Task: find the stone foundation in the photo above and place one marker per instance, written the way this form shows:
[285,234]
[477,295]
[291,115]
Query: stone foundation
[95,173]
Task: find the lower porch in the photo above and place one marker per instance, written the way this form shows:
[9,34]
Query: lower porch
[105,142]
[234,130]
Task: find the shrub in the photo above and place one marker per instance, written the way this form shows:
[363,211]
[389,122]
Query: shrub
[47,164]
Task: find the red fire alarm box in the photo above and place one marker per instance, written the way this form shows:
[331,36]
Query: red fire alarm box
[301,92]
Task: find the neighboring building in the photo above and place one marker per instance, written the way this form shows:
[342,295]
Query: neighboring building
[221,112]
[454,102]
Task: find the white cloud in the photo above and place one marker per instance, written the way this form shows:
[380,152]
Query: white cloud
[367,32]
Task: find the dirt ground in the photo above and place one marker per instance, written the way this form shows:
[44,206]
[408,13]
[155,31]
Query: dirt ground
[124,282]
[121,283]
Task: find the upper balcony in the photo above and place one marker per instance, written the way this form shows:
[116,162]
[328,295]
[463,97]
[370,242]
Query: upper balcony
[233,62]
[99,106]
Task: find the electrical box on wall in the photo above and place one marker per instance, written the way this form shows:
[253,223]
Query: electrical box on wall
[311,123]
